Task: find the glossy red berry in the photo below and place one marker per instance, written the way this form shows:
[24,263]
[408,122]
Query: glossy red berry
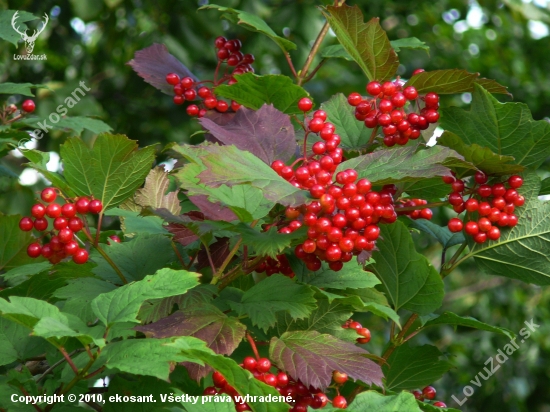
[82,205]
[192,110]
[374,88]
[471,228]
[264,365]
[429,392]
[53,210]
[68,210]
[218,379]
[440,404]
[455,225]
[34,250]
[41,224]
[515,181]
[71,247]
[115,238]
[48,194]
[80,256]
[75,224]
[172,78]
[60,223]
[26,224]
[95,206]
[480,178]
[410,92]
[249,363]
[354,99]
[28,106]
[305,104]
[418,395]
[339,377]
[339,402]
[38,210]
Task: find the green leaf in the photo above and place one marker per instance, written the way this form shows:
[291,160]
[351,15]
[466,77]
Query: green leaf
[253,23]
[431,189]
[79,123]
[143,255]
[269,243]
[335,51]
[231,166]
[123,304]
[13,242]
[450,318]
[441,233]
[39,160]
[133,224]
[153,194]
[403,164]
[408,278]
[111,171]
[326,318]
[481,157]
[367,43]
[451,81]
[374,401]
[353,133]
[6,30]
[351,276]
[409,43]
[262,305]
[16,343]
[254,91]
[17,88]
[545,187]
[520,252]
[311,357]
[14,275]
[507,129]
[414,367]
[150,357]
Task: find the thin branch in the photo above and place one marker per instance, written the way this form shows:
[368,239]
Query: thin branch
[178,254]
[373,135]
[226,262]
[308,78]
[98,230]
[313,52]
[291,65]
[253,344]
[397,341]
[68,359]
[106,257]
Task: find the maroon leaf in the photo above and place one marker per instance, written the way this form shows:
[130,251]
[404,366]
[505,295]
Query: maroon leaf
[220,119]
[154,63]
[212,211]
[267,133]
[219,250]
[221,333]
[311,357]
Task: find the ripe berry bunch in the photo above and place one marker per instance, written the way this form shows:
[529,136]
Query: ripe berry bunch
[62,240]
[186,89]
[343,222]
[488,207]
[414,214]
[279,265]
[361,331]
[386,108]
[428,394]
[261,369]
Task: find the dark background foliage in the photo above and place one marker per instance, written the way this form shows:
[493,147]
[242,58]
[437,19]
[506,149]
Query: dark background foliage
[91,41]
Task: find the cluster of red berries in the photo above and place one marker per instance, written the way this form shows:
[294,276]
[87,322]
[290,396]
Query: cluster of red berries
[494,205]
[279,265]
[386,109]
[187,89]
[62,243]
[303,397]
[414,214]
[428,393]
[364,333]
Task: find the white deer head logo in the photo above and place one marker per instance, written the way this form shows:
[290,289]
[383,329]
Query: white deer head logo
[29,40]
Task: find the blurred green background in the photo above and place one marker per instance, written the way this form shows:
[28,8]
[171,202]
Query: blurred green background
[91,40]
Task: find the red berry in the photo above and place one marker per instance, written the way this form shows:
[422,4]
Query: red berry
[68,210]
[26,224]
[218,379]
[34,250]
[471,228]
[339,402]
[471,205]
[320,114]
[95,206]
[484,224]
[172,78]
[418,395]
[210,102]
[28,106]
[429,392]
[80,256]
[249,363]
[82,205]
[70,247]
[222,106]
[493,233]
[374,88]
[305,104]
[41,224]
[190,94]
[431,99]
[484,190]
[426,214]
[270,379]
[187,82]
[339,377]
[178,100]
[48,194]
[515,181]
[53,210]
[455,199]
[439,404]
[75,224]
[354,99]
[333,253]
[410,92]
[219,42]
[389,88]
[60,223]
[204,92]
[417,71]
[65,235]
[480,178]
[192,110]
[455,225]
[498,190]
[282,379]
[263,365]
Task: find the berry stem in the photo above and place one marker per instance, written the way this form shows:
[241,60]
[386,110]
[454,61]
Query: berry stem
[217,70]
[210,261]
[68,359]
[291,65]
[451,265]
[98,230]
[180,258]
[106,257]
[305,147]
[398,340]
[237,271]
[373,135]
[321,63]
[253,344]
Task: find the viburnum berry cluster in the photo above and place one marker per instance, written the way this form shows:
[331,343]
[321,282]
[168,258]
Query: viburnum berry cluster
[187,89]
[428,394]
[364,333]
[488,207]
[63,241]
[272,266]
[387,108]
[344,219]
[303,397]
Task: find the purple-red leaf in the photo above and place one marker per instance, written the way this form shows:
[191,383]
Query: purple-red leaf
[311,357]
[154,63]
[221,333]
[267,133]
[211,210]
[182,235]
[219,250]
